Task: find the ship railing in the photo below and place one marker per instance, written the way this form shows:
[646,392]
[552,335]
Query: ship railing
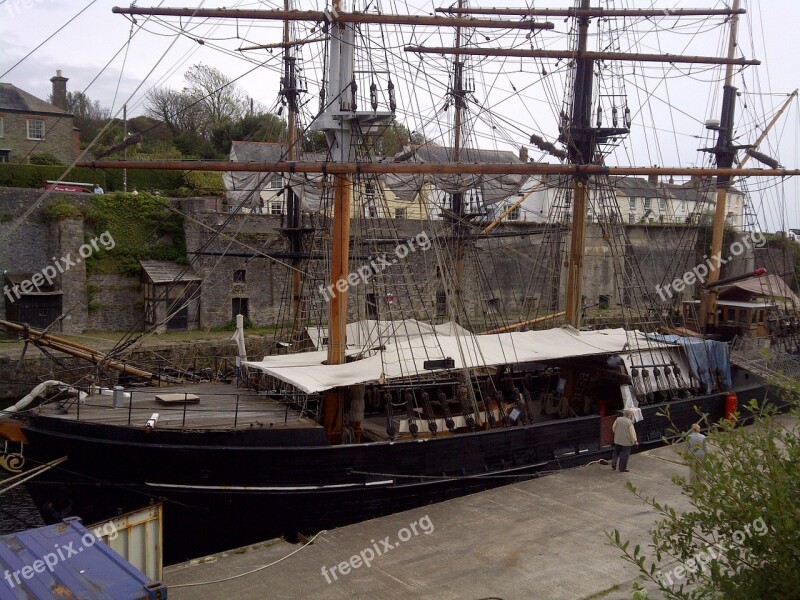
[220,409]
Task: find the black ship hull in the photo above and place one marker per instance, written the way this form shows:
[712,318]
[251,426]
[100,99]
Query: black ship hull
[227,489]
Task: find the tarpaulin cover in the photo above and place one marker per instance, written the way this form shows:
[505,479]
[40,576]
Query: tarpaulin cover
[404,356]
[704,355]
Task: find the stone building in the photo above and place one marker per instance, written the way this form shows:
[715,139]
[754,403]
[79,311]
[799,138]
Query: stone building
[31,126]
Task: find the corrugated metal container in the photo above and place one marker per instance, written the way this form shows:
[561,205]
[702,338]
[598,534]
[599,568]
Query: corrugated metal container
[67,561]
[138,537]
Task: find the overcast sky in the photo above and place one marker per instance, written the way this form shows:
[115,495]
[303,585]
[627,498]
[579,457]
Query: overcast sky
[83,48]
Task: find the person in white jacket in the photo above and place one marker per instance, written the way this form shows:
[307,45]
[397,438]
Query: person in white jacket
[696,445]
[624,440]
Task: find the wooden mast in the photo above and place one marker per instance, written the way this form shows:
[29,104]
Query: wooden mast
[459,100]
[581,151]
[725,153]
[337,128]
[290,92]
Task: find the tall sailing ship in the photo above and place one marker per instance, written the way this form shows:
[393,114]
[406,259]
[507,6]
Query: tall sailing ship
[397,381]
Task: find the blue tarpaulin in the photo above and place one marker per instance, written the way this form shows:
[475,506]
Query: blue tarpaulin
[705,357]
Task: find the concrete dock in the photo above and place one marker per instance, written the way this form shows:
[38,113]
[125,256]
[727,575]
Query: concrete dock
[542,538]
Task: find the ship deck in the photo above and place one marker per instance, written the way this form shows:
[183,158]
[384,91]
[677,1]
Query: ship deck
[217,406]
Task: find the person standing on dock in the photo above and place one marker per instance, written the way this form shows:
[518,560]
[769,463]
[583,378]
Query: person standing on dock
[696,445]
[624,440]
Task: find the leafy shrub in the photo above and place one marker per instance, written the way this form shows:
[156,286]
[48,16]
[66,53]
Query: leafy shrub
[35,176]
[205,183]
[45,158]
[61,208]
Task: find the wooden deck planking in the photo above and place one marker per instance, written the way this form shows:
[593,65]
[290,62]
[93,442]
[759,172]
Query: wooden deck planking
[216,409]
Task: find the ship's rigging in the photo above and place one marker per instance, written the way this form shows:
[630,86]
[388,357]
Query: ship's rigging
[591,125]
[401,326]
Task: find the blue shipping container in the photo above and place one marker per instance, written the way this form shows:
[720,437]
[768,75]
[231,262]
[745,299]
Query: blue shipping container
[68,561]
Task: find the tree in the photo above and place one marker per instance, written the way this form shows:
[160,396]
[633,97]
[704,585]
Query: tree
[221,102]
[264,127]
[201,114]
[90,116]
[741,539]
[179,111]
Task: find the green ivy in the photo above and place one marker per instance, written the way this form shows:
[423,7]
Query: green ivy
[143,228]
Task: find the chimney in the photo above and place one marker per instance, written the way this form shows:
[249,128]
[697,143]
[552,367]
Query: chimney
[653,179]
[523,153]
[59,90]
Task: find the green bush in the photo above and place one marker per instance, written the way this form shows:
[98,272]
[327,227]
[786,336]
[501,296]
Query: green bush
[145,181]
[45,158]
[61,208]
[205,183]
[35,176]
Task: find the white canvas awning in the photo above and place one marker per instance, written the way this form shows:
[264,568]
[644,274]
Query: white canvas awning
[368,333]
[405,357]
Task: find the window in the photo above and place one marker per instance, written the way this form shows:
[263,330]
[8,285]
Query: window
[370,210]
[239,276]
[632,203]
[647,203]
[1,127]
[276,207]
[372,306]
[5,156]
[276,182]
[441,304]
[35,129]
[239,307]
[631,218]
[400,213]
[662,204]
[369,191]
[514,214]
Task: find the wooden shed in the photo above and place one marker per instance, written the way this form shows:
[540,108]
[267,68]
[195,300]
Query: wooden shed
[171,295]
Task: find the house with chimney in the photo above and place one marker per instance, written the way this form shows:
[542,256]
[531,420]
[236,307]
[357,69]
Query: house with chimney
[30,126]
